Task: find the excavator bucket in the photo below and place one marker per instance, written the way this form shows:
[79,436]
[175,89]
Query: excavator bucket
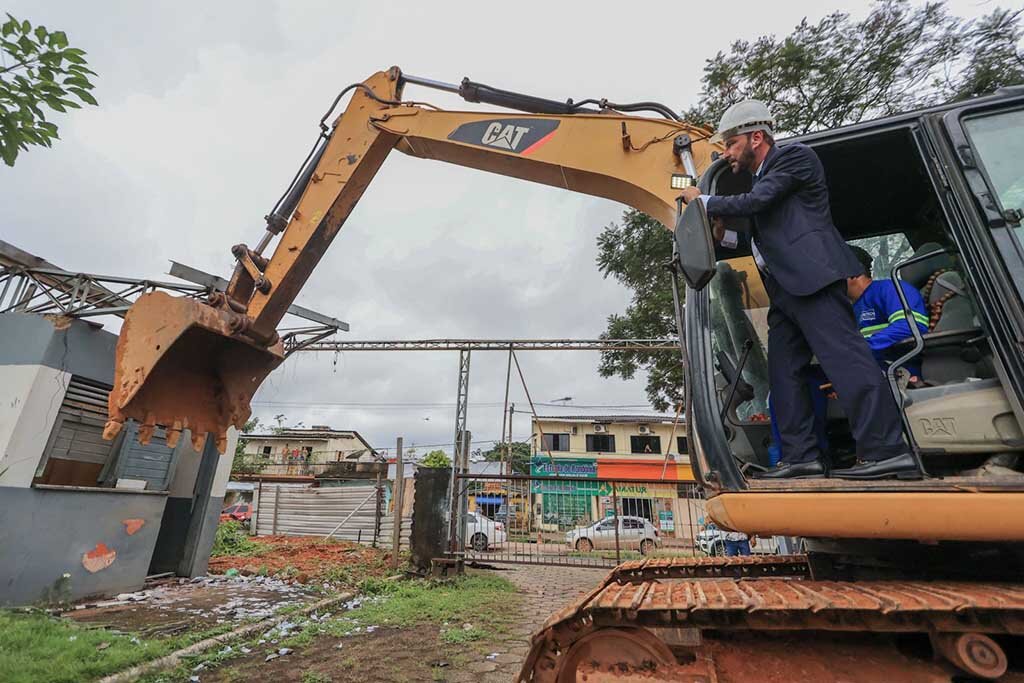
[179,366]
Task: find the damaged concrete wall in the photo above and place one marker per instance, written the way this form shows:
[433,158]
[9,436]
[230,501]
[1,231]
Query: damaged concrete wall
[59,545]
[49,531]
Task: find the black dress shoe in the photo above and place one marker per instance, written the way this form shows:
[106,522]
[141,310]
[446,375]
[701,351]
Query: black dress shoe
[795,470]
[901,467]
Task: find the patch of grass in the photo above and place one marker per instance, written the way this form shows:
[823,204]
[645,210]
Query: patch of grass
[484,602]
[232,539]
[458,636]
[35,646]
[315,677]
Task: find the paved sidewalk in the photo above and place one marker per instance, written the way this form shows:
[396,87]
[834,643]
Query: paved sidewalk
[545,590]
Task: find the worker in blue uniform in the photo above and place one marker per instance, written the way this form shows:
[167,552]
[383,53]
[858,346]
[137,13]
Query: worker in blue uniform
[882,321]
[880,315]
[805,263]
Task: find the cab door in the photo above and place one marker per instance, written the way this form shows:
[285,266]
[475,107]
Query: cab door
[979,154]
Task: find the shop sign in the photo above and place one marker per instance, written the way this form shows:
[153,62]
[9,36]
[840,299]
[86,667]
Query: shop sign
[666,521]
[541,466]
[633,490]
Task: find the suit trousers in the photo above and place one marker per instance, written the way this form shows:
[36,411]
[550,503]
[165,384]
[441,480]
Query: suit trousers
[822,325]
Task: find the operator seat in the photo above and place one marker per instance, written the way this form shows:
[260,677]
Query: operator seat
[964,409]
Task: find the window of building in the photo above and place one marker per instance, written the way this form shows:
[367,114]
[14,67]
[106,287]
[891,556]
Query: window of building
[600,443]
[266,451]
[77,455]
[307,451]
[638,507]
[645,444]
[682,445]
[555,442]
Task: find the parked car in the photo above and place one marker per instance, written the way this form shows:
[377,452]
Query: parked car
[483,533]
[711,541]
[634,532]
[241,512]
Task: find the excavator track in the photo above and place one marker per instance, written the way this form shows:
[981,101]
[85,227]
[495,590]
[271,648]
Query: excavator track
[716,620]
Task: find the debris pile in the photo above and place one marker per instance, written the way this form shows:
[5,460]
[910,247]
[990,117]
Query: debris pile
[177,605]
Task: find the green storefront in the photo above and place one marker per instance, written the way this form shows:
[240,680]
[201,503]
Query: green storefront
[565,504]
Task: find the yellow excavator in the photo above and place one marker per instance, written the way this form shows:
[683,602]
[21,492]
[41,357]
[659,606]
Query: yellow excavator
[901,580]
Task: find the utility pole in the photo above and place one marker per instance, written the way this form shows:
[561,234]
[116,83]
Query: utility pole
[455,530]
[397,494]
[508,438]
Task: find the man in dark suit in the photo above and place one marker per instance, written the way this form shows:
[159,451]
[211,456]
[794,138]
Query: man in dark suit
[805,263]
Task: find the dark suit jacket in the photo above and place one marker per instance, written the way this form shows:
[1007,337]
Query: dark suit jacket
[793,222]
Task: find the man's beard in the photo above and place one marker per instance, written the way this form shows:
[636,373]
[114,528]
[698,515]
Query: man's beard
[746,161]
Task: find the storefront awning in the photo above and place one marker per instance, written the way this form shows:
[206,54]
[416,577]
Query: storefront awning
[490,500]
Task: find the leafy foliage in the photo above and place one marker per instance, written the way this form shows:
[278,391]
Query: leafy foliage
[232,539]
[634,252]
[243,464]
[520,455]
[840,71]
[822,75]
[39,69]
[436,458]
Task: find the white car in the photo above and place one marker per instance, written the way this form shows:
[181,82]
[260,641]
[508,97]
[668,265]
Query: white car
[635,533]
[483,533]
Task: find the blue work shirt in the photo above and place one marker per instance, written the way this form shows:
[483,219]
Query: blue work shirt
[883,322]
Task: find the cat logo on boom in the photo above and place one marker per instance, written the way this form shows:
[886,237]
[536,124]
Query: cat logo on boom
[520,136]
[507,137]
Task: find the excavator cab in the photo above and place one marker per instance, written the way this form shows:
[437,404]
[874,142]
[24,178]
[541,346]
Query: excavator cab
[935,198]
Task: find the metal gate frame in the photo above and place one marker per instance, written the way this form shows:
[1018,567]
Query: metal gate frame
[535,533]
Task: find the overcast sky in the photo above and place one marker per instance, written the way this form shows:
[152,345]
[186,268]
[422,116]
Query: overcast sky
[207,108]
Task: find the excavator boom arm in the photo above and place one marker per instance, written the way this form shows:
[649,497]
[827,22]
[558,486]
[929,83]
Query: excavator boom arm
[637,161]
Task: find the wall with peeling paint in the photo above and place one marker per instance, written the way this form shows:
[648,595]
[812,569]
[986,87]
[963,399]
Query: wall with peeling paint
[102,540]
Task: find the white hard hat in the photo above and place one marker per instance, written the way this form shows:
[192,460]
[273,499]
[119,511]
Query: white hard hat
[745,116]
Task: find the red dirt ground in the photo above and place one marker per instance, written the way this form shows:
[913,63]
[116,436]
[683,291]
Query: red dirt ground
[307,558]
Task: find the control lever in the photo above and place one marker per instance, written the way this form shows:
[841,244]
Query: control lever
[747,345]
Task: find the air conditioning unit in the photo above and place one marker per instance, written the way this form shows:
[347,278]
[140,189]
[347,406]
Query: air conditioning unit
[644,429]
[600,429]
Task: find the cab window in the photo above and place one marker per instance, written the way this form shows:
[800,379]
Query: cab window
[999,141]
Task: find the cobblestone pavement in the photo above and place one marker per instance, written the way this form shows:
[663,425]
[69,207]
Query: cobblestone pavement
[545,590]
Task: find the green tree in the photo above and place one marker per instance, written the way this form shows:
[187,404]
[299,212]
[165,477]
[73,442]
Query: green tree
[839,71]
[830,73]
[436,458]
[38,69]
[635,252]
[241,464]
[520,455]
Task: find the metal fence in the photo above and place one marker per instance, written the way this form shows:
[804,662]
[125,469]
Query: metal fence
[583,521]
[361,512]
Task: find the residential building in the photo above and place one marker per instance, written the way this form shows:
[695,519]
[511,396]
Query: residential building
[294,451]
[648,449]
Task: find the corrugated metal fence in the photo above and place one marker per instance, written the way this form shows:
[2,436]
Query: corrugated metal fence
[292,511]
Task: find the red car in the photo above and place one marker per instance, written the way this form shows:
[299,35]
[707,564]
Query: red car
[241,512]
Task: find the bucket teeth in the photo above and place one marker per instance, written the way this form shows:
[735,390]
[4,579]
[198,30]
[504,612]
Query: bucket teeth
[112,428]
[174,434]
[146,429]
